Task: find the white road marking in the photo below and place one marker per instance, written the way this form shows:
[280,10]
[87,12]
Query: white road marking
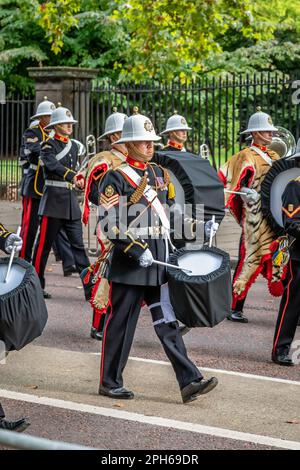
[217,371]
[153,420]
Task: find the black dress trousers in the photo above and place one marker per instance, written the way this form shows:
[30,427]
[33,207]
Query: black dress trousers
[126,302]
[289,311]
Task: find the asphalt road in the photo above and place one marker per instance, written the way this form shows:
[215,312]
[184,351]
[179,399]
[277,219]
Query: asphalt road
[55,380]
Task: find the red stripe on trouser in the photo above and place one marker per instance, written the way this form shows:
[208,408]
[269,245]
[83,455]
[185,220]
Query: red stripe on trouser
[284,310]
[96,318]
[25,225]
[37,263]
[104,334]
[24,208]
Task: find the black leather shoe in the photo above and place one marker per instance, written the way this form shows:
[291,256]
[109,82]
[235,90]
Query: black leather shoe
[282,359]
[120,392]
[47,295]
[198,387]
[183,329]
[69,271]
[237,317]
[19,425]
[95,334]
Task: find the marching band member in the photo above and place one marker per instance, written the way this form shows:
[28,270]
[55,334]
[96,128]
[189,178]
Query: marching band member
[133,275]
[8,242]
[244,174]
[176,130]
[59,207]
[289,310]
[89,179]
[32,186]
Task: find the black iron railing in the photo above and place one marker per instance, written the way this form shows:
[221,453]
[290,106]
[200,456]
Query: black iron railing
[216,108]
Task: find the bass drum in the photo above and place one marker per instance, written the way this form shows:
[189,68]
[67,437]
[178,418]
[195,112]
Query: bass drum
[195,181]
[23,312]
[280,174]
[202,298]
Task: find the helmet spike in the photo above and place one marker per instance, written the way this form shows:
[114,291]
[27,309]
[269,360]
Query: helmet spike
[258,108]
[175,111]
[135,110]
[45,98]
[115,109]
[58,104]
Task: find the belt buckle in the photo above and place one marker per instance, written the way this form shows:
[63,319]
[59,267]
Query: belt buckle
[70,186]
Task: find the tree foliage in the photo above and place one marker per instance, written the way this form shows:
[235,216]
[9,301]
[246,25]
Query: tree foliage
[176,36]
[56,18]
[134,40]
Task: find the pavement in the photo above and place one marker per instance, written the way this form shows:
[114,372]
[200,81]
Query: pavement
[54,380]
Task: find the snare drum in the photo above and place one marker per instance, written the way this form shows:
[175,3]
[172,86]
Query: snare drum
[203,297]
[23,312]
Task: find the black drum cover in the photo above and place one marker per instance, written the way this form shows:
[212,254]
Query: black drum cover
[199,182]
[201,300]
[23,312]
[272,188]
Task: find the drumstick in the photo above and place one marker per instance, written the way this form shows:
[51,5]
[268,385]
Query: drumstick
[169,265]
[211,232]
[11,258]
[234,192]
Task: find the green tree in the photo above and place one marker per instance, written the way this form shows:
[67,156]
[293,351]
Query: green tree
[32,33]
[174,37]
[56,18]
[21,43]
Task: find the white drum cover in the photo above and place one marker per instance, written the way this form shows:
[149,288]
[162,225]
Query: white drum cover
[200,263]
[15,278]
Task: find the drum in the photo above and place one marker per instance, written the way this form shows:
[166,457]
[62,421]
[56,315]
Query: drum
[280,174]
[203,297]
[195,181]
[23,312]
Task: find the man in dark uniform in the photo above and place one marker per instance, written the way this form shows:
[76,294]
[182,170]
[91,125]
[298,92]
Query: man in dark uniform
[59,206]
[176,130]
[289,310]
[24,164]
[8,242]
[32,186]
[133,275]
[33,182]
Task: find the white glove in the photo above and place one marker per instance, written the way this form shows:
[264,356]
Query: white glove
[250,195]
[210,225]
[146,259]
[13,241]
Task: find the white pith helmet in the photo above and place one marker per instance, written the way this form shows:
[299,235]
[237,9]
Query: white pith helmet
[114,123]
[45,108]
[138,128]
[61,115]
[176,123]
[260,122]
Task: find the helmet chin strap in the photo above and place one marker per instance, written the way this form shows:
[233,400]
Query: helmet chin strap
[266,141]
[135,153]
[180,139]
[62,131]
